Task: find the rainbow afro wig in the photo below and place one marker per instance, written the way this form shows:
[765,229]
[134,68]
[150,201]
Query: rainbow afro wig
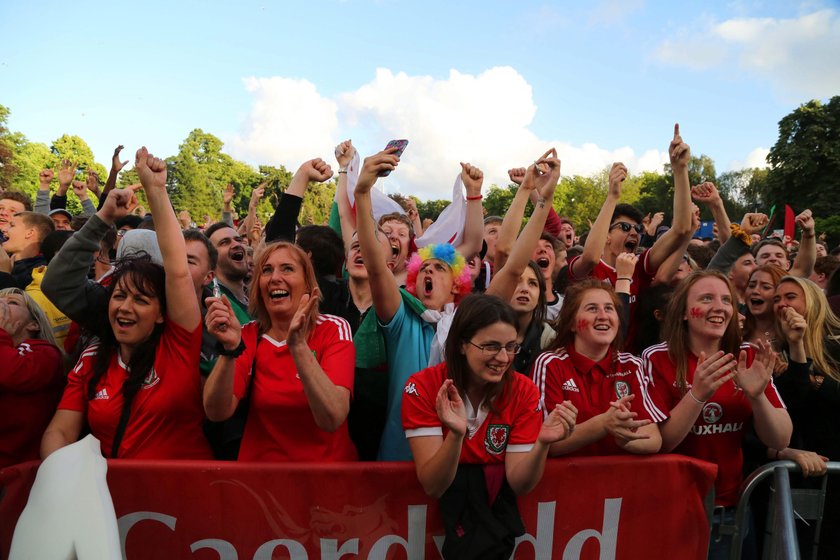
[446,253]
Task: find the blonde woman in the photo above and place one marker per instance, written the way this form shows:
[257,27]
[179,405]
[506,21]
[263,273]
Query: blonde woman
[811,388]
[31,378]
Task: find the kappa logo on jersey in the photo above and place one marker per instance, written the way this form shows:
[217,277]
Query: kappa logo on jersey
[496,439]
[570,385]
[151,380]
[411,389]
[712,412]
[102,394]
[622,389]
[23,348]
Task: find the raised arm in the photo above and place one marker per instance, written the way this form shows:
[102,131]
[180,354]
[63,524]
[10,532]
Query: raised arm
[344,154]
[512,222]
[472,178]
[65,283]
[383,285]
[251,218]
[180,292]
[116,167]
[42,199]
[803,266]
[282,223]
[707,193]
[504,281]
[772,425]
[680,231]
[597,238]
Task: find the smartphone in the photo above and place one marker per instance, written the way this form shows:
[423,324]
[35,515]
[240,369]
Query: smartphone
[400,145]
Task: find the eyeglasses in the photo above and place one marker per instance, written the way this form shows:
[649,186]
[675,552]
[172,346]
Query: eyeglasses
[494,348]
[626,227]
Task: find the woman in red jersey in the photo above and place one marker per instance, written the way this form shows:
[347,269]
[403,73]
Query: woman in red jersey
[138,388]
[712,386]
[583,366]
[295,365]
[475,431]
[31,379]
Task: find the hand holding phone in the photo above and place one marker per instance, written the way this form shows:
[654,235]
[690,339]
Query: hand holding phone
[400,145]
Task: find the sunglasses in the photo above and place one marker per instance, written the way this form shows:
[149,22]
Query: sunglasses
[626,227]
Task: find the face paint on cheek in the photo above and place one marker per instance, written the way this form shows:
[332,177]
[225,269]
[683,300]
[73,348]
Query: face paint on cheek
[582,324]
[695,312]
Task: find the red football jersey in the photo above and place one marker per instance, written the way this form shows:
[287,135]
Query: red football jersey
[718,432]
[566,375]
[514,428]
[167,412]
[31,381]
[642,278]
[280,424]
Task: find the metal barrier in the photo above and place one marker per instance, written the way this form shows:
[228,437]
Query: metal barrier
[788,503]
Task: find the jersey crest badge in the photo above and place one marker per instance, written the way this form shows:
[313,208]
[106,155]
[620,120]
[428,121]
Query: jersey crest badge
[712,412]
[151,380]
[496,439]
[622,389]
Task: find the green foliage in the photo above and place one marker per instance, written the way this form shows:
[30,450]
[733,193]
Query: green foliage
[7,169]
[831,227]
[198,174]
[805,161]
[498,199]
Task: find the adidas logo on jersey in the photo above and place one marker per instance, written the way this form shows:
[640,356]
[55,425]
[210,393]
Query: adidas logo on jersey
[102,394]
[570,385]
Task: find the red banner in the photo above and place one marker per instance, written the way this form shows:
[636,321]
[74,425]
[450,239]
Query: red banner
[599,508]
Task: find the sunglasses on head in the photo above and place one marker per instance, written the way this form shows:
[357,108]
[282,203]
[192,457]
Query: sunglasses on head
[626,227]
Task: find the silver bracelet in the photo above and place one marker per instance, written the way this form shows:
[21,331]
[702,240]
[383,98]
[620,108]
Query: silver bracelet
[698,401]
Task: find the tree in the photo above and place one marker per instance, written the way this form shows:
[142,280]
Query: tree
[7,169]
[199,173]
[805,161]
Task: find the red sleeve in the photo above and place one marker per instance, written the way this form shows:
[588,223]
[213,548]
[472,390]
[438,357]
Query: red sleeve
[643,269]
[569,269]
[418,403]
[552,223]
[29,367]
[75,393]
[528,419]
[337,355]
[243,364]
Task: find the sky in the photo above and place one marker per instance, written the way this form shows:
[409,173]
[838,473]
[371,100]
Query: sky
[491,83]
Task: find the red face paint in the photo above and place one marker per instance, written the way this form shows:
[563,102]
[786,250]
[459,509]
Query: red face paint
[582,324]
[695,312]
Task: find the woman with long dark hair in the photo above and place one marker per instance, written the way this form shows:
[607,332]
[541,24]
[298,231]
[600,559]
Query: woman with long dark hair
[472,416]
[137,388]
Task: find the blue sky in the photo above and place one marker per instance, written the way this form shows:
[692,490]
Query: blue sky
[494,83]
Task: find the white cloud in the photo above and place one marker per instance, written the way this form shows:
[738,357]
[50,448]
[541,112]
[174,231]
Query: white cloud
[609,12]
[797,55]
[755,159]
[288,119]
[484,119]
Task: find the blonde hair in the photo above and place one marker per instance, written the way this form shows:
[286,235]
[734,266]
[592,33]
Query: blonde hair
[256,305]
[823,325]
[45,331]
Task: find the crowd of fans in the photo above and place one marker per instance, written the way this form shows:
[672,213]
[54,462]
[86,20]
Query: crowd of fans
[478,361]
